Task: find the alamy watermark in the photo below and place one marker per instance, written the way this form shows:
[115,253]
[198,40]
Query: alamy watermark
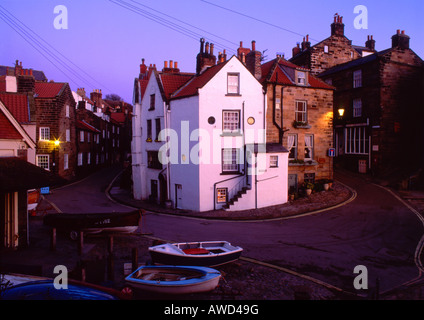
[361,20]
[61,20]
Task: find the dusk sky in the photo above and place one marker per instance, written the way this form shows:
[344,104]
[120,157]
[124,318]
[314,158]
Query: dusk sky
[105,40]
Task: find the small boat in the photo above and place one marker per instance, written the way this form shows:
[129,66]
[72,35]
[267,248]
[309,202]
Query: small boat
[206,253]
[95,222]
[174,279]
[45,290]
[33,200]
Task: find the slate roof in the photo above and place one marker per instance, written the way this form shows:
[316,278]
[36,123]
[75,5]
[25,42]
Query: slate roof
[38,75]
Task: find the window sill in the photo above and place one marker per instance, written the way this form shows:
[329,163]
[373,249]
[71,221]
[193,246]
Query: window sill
[233,95]
[230,173]
[303,164]
[231,134]
[302,126]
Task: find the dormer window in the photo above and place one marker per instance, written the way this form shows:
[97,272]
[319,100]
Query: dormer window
[233,84]
[301,78]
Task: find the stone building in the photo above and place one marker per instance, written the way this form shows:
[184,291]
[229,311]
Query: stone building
[332,51]
[382,97]
[299,115]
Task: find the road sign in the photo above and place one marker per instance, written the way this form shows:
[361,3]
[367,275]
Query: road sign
[45,190]
[332,152]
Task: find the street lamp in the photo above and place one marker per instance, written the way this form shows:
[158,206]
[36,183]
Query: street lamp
[341,112]
[56,144]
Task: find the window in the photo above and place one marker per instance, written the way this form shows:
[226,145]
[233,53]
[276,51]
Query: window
[357,107]
[68,135]
[357,79]
[89,158]
[153,160]
[65,161]
[301,78]
[81,136]
[45,133]
[309,177]
[221,195]
[309,147]
[273,162]
[67,111]
[230,160]
[356,141]
[231,121]
[80,159]
[43,161]
[326,50]
[149,130]
[292,146]
[301,112]
[158,129]
[152,102]
[88,137]
[233,83]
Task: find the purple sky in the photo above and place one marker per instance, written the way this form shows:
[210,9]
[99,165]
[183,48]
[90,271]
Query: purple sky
[104,42]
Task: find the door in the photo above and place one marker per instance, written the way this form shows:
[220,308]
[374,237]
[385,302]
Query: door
[178,196]
[153,190]
[292,183]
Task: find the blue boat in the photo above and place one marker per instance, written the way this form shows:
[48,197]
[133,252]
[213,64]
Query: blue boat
[45,290]
[174,280]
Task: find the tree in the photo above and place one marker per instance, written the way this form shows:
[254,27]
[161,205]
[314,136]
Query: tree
[114,97]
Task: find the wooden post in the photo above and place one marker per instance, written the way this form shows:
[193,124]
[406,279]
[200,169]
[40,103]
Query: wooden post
[134,259]
[53,240]
[110,269]
[81,243]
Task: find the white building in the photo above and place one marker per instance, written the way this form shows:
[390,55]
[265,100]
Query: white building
[214,154]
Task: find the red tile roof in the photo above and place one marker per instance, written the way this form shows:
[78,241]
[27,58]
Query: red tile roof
[273,71]
[192,87]
[2,83]
[118,117]
[171,82]
[7,129]
[17,104]
[48,89]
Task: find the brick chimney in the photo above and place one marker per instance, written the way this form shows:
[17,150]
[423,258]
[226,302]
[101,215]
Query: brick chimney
[143,70]
[306,44]
[96,97]
[337,27]
[253,61]
[370,44]
[172,68]
[24,78]
[18,68]
[81,92]
[205,58]
[400,40]
[297,50]
[242,53]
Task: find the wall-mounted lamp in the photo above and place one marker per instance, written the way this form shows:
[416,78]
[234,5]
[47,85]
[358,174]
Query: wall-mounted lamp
[57,143]
[341,112]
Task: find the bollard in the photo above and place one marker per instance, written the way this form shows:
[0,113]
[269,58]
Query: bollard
[53,240]
[134,259]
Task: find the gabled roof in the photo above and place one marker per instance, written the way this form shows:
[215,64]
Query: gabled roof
[81,124]
[48,89]
[192,87]
[274,72]
[7,129]
[171,82]
[17,105]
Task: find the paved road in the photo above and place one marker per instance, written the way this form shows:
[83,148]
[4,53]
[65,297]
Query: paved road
[376,230]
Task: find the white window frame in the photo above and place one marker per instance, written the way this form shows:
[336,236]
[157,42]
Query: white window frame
[44,133]
[230,160]
[231,121]
[65,161]
[233,83]
[273,161]
[301,115]
[326,49]
[221,195]
[80,159]
[68,135]
[89,158]
[82,136]
[43,161]
[309,145]
[357,108]
[294,146]
[301,78]
[357,79]
[67,111]
[356,140]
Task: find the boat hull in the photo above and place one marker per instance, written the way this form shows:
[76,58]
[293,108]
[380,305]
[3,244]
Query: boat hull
[164,279]
[167,256]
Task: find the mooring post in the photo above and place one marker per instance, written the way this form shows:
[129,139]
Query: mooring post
[81,243]
[134,259]
[53,240]
[110,268]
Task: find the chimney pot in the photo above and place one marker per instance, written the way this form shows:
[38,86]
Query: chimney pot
[207,48]
[171,64]
[166,64]
[211,49]
[176,65]
[241,44]
[253,45]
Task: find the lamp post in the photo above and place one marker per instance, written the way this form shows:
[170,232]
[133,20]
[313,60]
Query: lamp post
[56,144]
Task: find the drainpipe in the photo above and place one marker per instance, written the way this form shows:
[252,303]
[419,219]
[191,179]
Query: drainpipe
[168,183]
[280,129]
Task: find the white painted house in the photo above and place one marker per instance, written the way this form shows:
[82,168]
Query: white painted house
[214,154]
